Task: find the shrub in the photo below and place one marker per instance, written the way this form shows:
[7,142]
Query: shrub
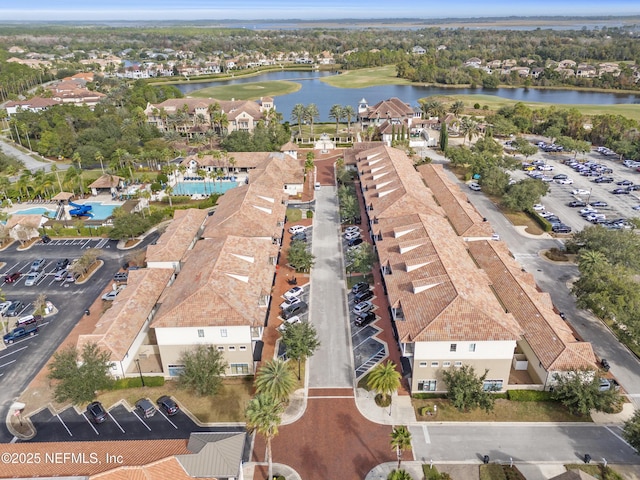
[424,396]
[476,106]
[529,396]
[431,473]
[309,213]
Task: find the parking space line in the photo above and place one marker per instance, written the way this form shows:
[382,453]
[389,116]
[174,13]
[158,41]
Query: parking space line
[141,420]
[85,243]
[168,419]
[64,425]
[13,352]
[116,422]
[90,424]
[8,363]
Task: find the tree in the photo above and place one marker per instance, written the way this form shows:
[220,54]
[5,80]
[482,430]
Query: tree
[40,304]
[348,114]
[469,128]
[336,112]
[457,107]
[361,259]
[466,390]
[524,194]
[631,431]
[300,340]
[311,114]
[298,114]
[384,379]
[264,415]
[495,181]
[79,375]
[299,257]
[203,369]
[276,380]
[579,391]
[400,441]
[399,475]
[523,147]
[444,138]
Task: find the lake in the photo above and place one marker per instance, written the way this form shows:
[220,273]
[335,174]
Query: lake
[324,96]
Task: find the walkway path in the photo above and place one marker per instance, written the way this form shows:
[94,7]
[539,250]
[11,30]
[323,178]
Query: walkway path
[30,161]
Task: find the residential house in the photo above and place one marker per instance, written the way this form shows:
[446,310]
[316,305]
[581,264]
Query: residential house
[536,72]
[473,62]
[418,50]
[29,62]
[586,71]
[566,64]
[34,104]
[71,91]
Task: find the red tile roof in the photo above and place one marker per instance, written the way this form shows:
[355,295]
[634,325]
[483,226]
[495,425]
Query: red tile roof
[178,237]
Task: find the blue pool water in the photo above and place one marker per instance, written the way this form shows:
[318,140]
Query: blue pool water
[190,188]
[37,211]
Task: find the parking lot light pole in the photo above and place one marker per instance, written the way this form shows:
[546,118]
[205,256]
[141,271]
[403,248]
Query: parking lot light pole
[140,371]
[589,197]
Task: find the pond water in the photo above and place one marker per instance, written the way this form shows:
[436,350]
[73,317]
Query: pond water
[324,96]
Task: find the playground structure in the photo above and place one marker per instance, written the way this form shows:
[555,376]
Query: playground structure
[80,210]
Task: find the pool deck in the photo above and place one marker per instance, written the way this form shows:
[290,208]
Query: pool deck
[105,199]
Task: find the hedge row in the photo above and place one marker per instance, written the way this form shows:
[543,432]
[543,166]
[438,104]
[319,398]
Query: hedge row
[135,382]
[542,222]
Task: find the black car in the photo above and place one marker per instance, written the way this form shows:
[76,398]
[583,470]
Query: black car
[620,191]
[632,188]
[604,180]
[577,203]
[624,182]
[121,277]
[167,404]
[561,228]
[362,296]
[355,242]
[295,309]
[45,239]
[62,264]
[552,219]
[360,287]
[599,204]
[366,319]
[97,412]
[300,236]
[14,308]
[560,176]
[605,364]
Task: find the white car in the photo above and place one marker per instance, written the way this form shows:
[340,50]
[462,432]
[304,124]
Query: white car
[546,214]
[289,302]
[587,211]
[351,235]
[289,321]
[111,295]
[475,186]
[293,293]
[297,229]
[545,168]
[580,191]
[4,306]
[564,181]
[352,228]
[33,278]
[538,207]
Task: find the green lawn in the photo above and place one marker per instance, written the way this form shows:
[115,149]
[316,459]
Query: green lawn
[366,77]
[248,91]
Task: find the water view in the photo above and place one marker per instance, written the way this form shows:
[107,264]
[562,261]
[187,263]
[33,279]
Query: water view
[202,188]
[324,96]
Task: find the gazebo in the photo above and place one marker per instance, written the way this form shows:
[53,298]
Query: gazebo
[111,183]
[63,197]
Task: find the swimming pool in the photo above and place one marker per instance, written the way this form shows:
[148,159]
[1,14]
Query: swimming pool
[99,210]
[191,188]
[36,211]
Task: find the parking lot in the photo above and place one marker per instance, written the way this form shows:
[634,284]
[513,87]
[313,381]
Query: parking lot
[618,206]
[121,424]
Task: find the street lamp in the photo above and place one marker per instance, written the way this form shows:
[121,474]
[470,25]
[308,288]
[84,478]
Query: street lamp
[589,197]
[140,371]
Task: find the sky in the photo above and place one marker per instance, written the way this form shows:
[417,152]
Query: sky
[266,10]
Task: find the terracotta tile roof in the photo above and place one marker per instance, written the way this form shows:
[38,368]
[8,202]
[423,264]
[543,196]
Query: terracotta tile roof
[107,181]
[391,186]
[289,146]
[232,108]
[252,210]
[133,452]
[178,237]
[168,468]
[391,108]
[441,292]
[26,220]
[119,326]
[241,159]
[464,218]
[34,102]
[547,334]
[225,281]
[280,169]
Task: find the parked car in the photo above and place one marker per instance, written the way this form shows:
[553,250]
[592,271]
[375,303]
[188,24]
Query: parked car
[577,203]
[599,203]
[62,264]
[604,363]
[33,278]
[604,384]
[351,236]
[289,302]
[475,186]
[145,408]
[167,404]
[19,332]
[38,264]
[580,191]
[603,180]
[564,181]
[356,242]
[111,295]
[363,307]
[45,239]
[289,321]
[620,191]
[538,207]
[362,296]
[121,277]
[14,308]
[293,292]
[360,287]
[365,319]
[560,176]
[61,275]
[299,237]
[297,229]
[4,306]
[296,309]
[97,412]
[28,320]
[545,167]
[71,277]
[12,277]
[546,214]
[624,183]
[352,228]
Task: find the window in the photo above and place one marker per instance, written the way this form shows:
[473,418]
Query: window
[201,332]
[220,348]
[453,347]
[223,333]
[427,385]
[472,347]
[423,364]
[492,385]
[239,369]
[457,364]
[434,364]
[446,364]
[232,348]
[243,348]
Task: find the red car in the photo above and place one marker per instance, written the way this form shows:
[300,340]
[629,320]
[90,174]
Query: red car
[12,277]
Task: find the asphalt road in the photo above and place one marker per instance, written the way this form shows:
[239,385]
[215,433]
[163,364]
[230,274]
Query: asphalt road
[20,361]
[31,161]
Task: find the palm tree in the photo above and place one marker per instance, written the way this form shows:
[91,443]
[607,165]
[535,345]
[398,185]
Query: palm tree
[24,183]
[469,128]
[276,380]
[457,107]
[264,415]
[384,379]
[591,260]
[399,475]
[298,114]
[400,441]
[336,112]
[168,190]
[311,114]
[348,114]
